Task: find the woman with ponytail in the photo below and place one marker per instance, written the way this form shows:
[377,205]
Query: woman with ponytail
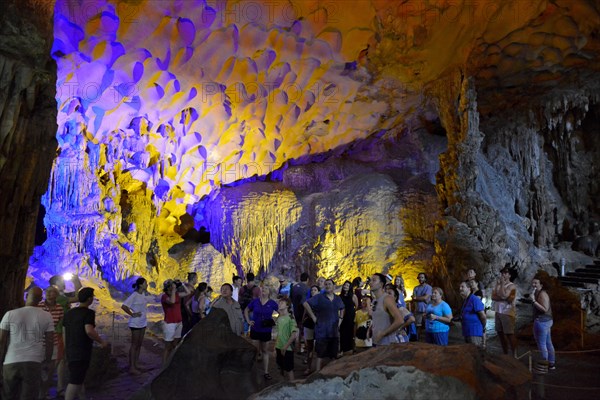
[136,306]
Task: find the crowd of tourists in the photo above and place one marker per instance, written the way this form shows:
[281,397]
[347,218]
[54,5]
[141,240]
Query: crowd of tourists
[48,336]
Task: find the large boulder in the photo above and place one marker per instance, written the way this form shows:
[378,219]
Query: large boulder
[103,367]
[210,363]
[415,371]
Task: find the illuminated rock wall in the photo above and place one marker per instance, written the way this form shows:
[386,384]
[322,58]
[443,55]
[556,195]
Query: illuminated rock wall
[160,103]
[305,136]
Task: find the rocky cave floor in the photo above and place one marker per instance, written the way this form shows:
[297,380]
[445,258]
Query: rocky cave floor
[576,376]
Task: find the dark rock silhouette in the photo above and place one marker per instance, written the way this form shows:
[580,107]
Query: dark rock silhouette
[210,363]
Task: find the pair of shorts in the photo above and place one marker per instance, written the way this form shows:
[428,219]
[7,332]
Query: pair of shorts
[260,336]
[77,371]
[309,334]
[327,347]
[419,318]
[23,377]
[476,340]
[285,361]
[439,338]
[172,331]
[298,315]
[136,329]
[505,324]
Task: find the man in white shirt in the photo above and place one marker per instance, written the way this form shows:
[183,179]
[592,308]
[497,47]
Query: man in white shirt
[29,332]
[237,285]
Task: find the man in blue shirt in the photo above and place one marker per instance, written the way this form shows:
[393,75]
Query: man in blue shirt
[327,311]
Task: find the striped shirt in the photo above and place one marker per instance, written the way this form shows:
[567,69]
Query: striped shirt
[57,313]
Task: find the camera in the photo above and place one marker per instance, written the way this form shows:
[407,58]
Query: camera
[178,283]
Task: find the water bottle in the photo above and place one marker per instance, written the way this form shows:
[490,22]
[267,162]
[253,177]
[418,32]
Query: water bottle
[562,266]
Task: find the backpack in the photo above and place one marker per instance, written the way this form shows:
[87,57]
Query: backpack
[245,297]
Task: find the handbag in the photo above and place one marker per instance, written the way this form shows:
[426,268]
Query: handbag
[268,323]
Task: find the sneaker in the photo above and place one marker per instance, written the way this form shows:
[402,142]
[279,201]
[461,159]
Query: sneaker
[540,371]
[551,367]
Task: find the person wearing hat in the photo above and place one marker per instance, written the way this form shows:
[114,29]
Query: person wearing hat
[505,298]
[284,286]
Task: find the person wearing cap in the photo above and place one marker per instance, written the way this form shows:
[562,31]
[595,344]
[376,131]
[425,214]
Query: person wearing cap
[65,299]
[79,326]
[284,286]
[504,296]
[173,322]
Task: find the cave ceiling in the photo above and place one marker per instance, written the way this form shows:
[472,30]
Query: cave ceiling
[207,93]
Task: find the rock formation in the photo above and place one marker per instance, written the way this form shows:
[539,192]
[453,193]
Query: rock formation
[418,371]
[306,136]
[27,135]
[211,363]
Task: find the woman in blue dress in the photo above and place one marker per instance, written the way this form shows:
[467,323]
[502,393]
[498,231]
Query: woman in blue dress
[472,316]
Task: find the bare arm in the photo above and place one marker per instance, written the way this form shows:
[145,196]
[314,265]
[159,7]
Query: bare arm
[310,312]
[3,343]
[172,297]
[390,306]
[48,345]
[513,293]
[426,297]
[293,337]
[247,317]
[90,330]
[355,300]
[482,319]
[497,293]
[446,318]
[544,302]
[186,291]
[130,312]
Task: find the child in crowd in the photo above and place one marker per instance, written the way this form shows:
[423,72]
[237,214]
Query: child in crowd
[362,321]
[287,332]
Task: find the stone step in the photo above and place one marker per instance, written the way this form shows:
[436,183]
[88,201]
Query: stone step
[593,266]
[579,279]
[584,272]
[570,283]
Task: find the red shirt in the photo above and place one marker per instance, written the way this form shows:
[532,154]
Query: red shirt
[172,311]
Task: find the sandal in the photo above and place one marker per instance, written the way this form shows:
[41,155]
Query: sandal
[268,376]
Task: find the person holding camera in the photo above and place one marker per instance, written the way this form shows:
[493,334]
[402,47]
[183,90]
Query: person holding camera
[261,325]
[505,299]
[173,322]
[439,318]
[234,312]
[472,316]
